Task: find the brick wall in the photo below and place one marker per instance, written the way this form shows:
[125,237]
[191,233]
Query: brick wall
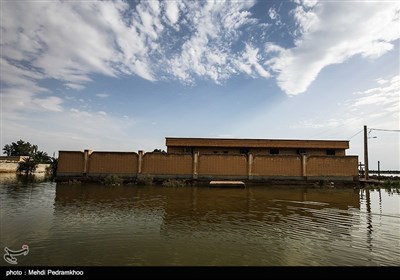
[230,165]
[167,164]
[70,162]
[332,166]
[277,165]
[208,165]
[113,163]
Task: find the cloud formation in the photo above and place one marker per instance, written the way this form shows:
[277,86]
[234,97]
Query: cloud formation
[70,41]
[385,99]
[331,33]
[373,105]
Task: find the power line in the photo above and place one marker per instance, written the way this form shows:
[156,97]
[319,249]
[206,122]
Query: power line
[379,129]
[356,134]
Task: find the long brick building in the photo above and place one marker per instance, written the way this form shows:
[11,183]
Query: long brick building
[212,158]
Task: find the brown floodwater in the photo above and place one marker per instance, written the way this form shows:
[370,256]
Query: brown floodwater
[91,224]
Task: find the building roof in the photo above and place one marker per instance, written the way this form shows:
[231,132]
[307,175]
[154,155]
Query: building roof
[256,143]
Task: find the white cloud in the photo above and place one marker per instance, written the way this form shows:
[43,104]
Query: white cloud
[385,99]
[249,62]
[306,19]
[74,86]
[80,114]
[18,76]
[51,103]
[272,13]
[207,53]
[332,33]
[381,81]
[378,106]
[102,95]
[307,3]
[22,93]
[71,40]
[172,11]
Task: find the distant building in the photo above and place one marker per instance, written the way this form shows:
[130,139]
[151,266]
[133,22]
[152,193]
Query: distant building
[256,146]
[9,164]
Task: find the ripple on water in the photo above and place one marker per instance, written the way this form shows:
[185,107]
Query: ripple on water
[127,225]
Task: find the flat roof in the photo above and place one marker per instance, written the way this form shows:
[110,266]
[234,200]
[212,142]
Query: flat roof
[255,143]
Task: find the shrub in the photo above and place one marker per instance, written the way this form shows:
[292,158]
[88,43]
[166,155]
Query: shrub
[74,182]
[174,183]
[145,180]
[112,180]
[388,184]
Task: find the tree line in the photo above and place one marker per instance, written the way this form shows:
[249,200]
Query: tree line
[33,156]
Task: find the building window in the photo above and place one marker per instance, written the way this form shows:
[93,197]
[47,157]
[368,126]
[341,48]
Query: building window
[274,151]
[225,152]
[188,150]
[330,152]
[244,151]
[215,152]
[301,151]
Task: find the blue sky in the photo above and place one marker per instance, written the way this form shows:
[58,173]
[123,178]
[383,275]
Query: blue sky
[124,75]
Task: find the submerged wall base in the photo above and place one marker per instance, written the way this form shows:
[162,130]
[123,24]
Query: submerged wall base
[277,180]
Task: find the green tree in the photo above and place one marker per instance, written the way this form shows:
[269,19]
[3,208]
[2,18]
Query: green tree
[158,151]
[21,148]
[27,166]
[42,157]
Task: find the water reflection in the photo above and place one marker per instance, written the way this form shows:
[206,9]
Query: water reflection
[208,204]
[270,221]
[90,224]
[22,179]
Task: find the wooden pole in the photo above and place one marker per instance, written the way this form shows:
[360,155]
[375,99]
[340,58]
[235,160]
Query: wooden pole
[366,153]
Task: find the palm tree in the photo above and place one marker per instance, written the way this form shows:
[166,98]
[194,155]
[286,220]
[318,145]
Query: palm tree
[27,166]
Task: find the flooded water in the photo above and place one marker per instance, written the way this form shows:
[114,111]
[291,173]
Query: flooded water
[93,224]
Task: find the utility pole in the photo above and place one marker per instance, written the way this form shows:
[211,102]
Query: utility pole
[366,153]
[379,169]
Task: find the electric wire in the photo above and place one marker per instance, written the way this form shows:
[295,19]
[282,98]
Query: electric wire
[380,129]
[356,134]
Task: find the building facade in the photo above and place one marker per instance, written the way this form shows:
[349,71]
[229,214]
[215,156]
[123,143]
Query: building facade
[256,146]
[208,159]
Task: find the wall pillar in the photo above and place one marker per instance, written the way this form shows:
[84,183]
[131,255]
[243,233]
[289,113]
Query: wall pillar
[86,156]
[195,165]
[140,161]
[304,165]
[250,166]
